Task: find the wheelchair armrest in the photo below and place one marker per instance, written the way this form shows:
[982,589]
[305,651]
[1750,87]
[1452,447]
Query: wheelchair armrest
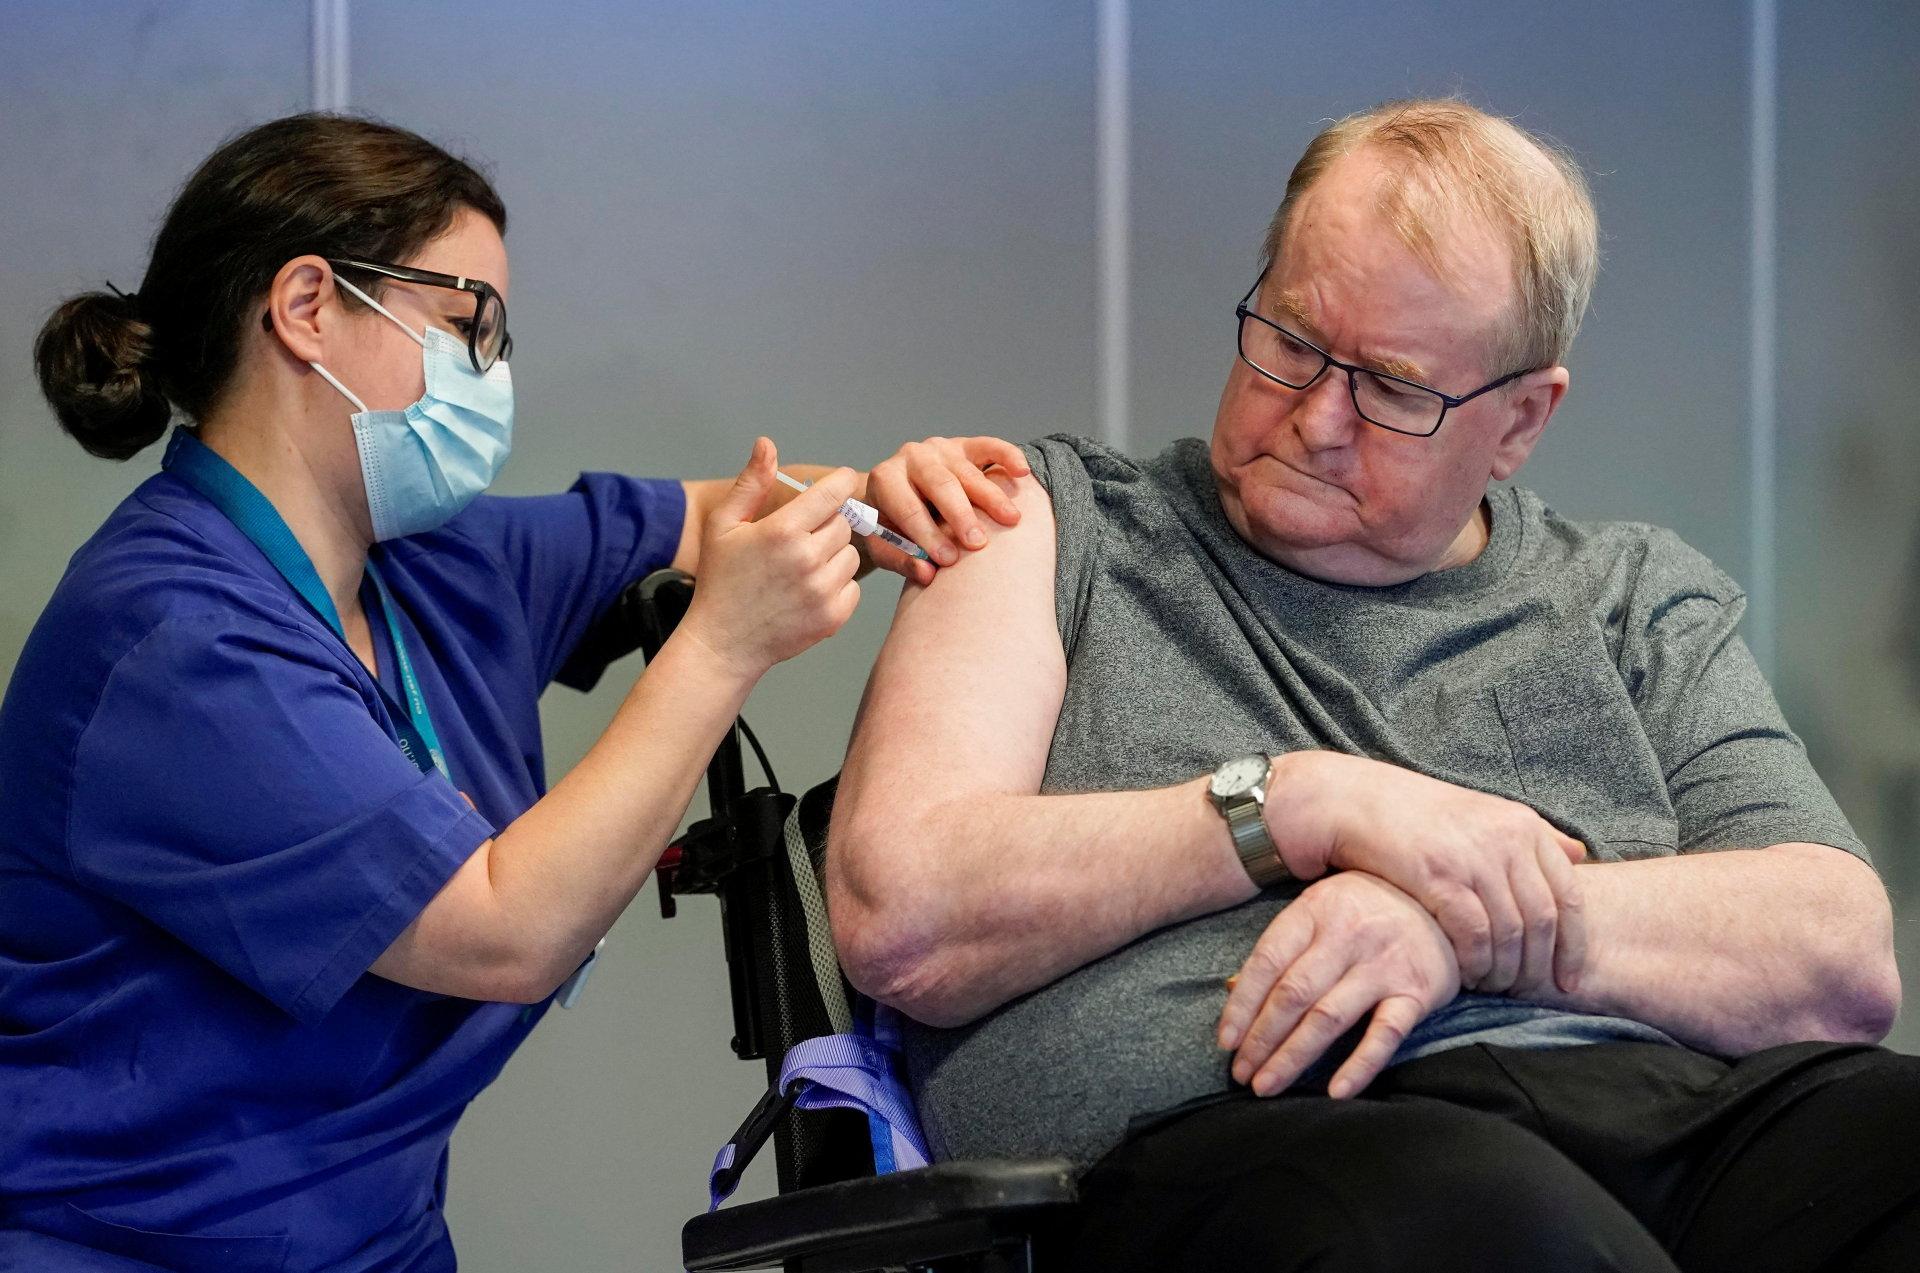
[880,1221]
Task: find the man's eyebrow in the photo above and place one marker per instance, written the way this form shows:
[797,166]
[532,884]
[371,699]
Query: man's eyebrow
[1292,307]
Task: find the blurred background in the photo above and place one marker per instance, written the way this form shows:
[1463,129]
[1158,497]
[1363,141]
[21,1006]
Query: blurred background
[846,224]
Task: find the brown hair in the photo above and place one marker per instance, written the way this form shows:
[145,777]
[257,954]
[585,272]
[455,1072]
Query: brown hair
[1458,159]
[115,368]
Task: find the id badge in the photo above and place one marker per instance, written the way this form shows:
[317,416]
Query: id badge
[572,988]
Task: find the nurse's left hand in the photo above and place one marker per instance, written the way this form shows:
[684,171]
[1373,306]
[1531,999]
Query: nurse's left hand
[948,476]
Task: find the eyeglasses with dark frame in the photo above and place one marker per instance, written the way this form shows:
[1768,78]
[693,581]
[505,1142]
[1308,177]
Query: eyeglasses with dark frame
[1296,362]
[487,338]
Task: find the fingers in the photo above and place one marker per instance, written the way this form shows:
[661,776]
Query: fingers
[1507,931]
[887,557]
[938,486]
[988,495]
[1575,850]
[1284,941]
[1393,1020]
[946,473]
[1315,1030]
[750,489]
[847,599]
[983,452]
[1570,944]
[813,506]
[1529,876]
[890,491]
[1462,916]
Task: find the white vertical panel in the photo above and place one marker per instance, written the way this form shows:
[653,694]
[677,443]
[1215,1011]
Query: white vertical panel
[1112,162]
[1763,333]
[330,55]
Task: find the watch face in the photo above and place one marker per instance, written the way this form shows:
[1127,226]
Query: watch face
[1239,775]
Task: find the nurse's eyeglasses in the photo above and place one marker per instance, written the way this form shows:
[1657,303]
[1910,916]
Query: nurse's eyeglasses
[486,332]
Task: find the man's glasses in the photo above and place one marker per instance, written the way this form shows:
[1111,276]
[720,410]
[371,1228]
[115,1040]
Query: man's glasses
[486,332]
[1402,406]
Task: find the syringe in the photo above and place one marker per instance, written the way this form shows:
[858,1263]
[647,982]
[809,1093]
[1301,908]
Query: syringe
[865,520]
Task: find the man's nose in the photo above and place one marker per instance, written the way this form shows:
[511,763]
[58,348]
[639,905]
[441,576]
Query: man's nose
[1323,413]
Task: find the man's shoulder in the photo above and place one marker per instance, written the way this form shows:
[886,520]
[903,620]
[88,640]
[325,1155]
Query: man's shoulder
[1086,478]
[1648,560]
[1061,458]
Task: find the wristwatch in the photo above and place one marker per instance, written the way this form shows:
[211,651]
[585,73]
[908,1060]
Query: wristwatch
[1239,791]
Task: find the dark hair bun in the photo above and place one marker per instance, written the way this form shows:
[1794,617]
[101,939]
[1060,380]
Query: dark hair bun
[94,357]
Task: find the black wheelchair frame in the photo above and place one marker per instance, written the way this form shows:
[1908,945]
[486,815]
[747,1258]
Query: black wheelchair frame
[832,1214]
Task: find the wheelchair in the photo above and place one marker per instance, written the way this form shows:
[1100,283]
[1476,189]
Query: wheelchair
[759,853]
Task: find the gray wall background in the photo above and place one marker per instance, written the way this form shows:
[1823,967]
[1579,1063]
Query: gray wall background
[845,224]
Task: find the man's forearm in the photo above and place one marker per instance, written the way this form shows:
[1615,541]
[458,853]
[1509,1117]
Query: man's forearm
[1739,950]
[1006,893]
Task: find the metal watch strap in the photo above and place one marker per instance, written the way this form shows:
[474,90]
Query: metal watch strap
[1247,823]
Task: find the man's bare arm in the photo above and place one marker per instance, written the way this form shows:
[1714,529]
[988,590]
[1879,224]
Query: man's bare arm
[1729,952]
[1739,950]
[953,885]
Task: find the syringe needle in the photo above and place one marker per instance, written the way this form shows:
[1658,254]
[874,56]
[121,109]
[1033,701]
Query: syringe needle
[865,520]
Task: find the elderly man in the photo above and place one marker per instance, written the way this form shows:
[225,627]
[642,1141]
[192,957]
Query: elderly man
[1360,865]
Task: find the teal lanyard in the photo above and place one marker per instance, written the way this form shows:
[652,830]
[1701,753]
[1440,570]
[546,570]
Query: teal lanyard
[199,466]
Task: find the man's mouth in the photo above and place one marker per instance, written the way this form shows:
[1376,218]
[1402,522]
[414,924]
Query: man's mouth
[1299,472]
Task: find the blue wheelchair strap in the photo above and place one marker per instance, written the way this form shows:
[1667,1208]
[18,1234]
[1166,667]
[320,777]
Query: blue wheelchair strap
[838,1071]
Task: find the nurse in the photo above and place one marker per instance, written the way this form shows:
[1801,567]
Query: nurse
[281,882]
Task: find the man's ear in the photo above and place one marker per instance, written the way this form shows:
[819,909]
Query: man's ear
[302,307]
[1534,400]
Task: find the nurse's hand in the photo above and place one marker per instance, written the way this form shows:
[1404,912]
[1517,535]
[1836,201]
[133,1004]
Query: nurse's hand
[948,476]
[771,588]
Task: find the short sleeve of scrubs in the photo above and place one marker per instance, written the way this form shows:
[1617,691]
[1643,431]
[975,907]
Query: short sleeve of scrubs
[570,555]
[235,789]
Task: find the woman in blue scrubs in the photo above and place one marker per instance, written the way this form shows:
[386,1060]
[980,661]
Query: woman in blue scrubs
[281,882]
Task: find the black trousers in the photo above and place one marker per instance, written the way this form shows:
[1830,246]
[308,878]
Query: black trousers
[1627,1156]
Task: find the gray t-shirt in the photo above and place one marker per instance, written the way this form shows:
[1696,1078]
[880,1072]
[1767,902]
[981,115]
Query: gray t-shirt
[1589,671]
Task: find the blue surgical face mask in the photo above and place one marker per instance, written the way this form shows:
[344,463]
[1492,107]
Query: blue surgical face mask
[426,463]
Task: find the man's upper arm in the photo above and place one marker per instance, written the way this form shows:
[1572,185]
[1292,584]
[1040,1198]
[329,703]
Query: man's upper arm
[963,698]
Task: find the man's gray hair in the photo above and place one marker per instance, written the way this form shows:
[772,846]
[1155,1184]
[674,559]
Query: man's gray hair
[1447,158]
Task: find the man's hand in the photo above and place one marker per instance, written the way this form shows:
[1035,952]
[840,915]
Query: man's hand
[948,475]
[1349,944]
[1497,876]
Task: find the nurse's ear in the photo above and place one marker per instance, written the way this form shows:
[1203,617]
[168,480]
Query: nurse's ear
[303,310]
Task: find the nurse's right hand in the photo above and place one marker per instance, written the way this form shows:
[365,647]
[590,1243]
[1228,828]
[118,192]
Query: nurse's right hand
[771,588]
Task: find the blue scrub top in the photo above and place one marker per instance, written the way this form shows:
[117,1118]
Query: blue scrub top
[211,833]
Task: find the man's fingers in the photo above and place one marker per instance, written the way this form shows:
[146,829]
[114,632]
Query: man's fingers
[1392,1021]
[1507,933]
[1540,908]
[938,486]
[1323,1022]
[989,496]
[889,558]
[1463,918]
[985,451]
[1285,939]
[1570,942]
[1575,850]
[1293,1000]
[895,497]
